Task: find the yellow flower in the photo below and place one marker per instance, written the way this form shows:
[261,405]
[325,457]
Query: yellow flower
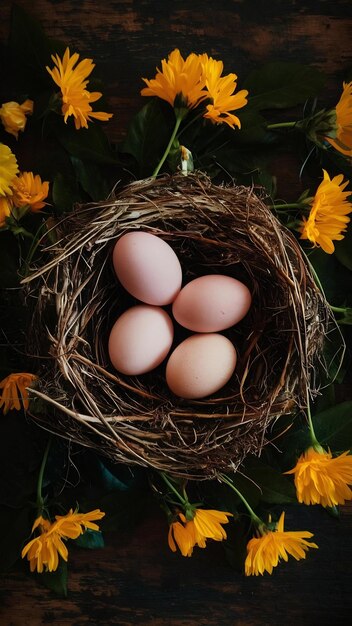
[265,551]
[73,524]
[76,99]
[343,141]
[43,551]
[14,387]
[6,205]
[206,524]
[13,116]
[29,190]
[183,535]
[180,81]
[328,216]
[221,91]
[8,170]
[320,479]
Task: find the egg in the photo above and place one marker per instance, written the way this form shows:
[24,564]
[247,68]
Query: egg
[140,339]
[211,303]
[200,365]
[147,267]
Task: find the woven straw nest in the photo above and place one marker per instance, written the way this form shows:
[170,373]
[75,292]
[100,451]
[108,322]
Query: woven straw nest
[137,420]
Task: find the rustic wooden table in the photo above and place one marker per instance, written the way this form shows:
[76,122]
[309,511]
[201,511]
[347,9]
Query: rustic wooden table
[136,579]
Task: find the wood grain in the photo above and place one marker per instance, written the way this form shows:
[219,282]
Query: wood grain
[136,580]
[128,38]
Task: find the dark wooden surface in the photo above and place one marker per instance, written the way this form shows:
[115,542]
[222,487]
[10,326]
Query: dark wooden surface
[136,579]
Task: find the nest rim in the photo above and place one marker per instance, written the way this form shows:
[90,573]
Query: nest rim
[195,439]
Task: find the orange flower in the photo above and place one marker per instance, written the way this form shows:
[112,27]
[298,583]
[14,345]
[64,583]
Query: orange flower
[320,479]
[206,524]
[14,387]
[265,551]
[328,219]
[179,82]
[76,99]
[221,91]
[29,190]
[343,140]
[13,116]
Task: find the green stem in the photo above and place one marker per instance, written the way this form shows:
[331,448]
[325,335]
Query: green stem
[281,125]
[40,499]
[315,443]
[338,309]
[183,501]
[229,482]
[179,119]
[288,205]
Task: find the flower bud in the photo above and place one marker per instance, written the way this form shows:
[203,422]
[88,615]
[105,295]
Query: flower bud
[322,124]
[13,116]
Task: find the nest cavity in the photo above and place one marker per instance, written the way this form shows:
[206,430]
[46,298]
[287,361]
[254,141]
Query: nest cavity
[137,420]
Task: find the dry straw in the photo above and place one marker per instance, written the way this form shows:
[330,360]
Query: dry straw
[213,229]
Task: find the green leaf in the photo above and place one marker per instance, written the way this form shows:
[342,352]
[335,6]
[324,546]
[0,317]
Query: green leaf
[334,358]
[335,278]
[292,437]
[343,250]
[87,144]
[253,129]
[280,85]
[91,539]
[148,135]
[333,426]
[56,581]
[64,193]
[109,482]
[274,487]
[91,178]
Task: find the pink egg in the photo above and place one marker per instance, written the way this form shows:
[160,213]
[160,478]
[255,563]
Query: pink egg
[200,365]
[140,339]
[211,303]
[147,267]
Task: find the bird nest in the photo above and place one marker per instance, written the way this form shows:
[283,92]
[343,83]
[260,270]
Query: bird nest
[137,420]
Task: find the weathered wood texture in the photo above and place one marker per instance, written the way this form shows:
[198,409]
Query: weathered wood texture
[136,579]
[128,38]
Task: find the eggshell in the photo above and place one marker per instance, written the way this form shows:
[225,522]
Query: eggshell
[147,267]
[211,303]
[200,365]
[140,339]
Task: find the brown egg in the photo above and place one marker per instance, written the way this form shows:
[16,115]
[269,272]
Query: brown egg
[211,303]
[200,365]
